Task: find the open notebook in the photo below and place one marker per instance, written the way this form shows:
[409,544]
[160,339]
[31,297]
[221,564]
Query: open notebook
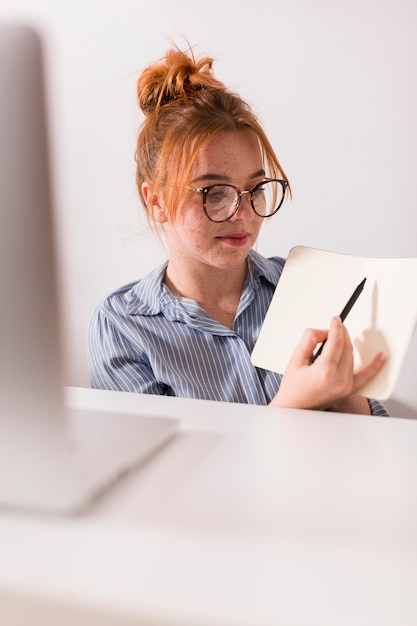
[50,458]
[316,284]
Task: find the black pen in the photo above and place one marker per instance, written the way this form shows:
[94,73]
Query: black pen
[355,295]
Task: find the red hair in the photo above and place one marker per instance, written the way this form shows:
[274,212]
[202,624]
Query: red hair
[185,106]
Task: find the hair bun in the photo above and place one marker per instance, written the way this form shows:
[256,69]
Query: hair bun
[179,76]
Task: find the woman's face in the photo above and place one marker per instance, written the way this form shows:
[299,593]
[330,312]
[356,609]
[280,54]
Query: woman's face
[232,157]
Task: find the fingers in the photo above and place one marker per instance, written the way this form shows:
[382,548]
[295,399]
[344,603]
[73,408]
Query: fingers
[331,378]
[338,347]
[344,353]
[304,351]
[337,341]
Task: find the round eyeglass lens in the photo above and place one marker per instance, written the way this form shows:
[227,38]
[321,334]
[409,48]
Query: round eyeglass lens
[267,197]
[221,201]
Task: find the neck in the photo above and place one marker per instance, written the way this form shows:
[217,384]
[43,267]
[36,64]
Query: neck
[216,290]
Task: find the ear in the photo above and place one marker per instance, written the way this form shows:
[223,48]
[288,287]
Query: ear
[154,203]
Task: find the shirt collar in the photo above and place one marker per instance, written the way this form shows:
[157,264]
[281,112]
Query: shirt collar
[260,267]
[150,296]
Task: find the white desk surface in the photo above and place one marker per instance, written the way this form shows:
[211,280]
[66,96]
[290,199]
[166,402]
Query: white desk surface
[250,516]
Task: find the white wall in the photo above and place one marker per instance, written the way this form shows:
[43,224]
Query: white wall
[333,83]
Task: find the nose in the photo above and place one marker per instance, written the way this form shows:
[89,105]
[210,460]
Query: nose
[245,211]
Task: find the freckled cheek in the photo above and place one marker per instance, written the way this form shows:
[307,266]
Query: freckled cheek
[202,239]
[196,224]
[195,235]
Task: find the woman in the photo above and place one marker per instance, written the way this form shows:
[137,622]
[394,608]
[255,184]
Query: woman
[208,177]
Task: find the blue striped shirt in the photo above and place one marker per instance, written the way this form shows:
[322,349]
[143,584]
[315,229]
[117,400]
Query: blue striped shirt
[142,338]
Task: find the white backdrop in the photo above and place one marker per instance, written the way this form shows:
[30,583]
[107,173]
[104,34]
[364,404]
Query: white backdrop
[332,82]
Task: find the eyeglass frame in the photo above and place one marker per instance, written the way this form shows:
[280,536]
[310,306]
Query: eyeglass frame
[205,190]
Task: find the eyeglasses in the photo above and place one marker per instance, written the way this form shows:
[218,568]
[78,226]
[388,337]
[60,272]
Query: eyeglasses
[221,202]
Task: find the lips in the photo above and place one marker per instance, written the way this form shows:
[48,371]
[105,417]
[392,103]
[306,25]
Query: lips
[234,239]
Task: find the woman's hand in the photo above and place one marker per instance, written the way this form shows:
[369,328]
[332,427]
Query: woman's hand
[329,382]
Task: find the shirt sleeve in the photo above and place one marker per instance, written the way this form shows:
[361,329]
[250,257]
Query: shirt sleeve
[113,363]
[378,408]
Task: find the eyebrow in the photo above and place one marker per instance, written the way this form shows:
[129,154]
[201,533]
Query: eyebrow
[221,177]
